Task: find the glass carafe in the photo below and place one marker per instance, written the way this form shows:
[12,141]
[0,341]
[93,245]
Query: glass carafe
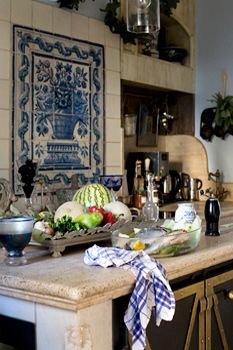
[150,211]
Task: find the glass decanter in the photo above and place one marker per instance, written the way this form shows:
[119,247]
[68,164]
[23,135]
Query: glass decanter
[150,211]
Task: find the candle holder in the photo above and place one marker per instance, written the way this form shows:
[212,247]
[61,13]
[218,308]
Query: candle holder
[143,16]
[28,172]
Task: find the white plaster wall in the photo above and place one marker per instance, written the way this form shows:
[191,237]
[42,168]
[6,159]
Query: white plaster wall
[214,44]
[42,16]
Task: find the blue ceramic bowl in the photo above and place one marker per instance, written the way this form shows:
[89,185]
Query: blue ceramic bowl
[15,234]
[112,181]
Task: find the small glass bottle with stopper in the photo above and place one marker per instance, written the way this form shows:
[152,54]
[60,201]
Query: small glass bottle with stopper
[150,211]
[212,214]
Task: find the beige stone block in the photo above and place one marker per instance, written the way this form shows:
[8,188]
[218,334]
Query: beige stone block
[5,124]
[112,40]
[4,154]
[5,174]
[4,94]
[112,170]
[113,106]
[21,12]
[42,16]
[5,59]
[113,130]
[5,35]
[112,59]
[113,154]
[5,12]
[61,21]
[79,26]
[96,31]
[113,83]
[129,67]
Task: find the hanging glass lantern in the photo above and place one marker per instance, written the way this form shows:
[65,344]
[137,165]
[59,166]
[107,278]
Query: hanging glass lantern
[143,16]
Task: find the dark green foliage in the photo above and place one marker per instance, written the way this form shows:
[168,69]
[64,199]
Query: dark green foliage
[70,4]
[117,26]
[224,111]
[66,224]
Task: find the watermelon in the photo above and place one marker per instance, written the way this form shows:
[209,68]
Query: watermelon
[94,194]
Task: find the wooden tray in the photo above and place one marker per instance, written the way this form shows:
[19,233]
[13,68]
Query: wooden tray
[58,243]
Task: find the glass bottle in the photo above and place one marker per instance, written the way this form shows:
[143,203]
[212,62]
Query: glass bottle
[138,188]
[138,179]
[212,214]
[150,211]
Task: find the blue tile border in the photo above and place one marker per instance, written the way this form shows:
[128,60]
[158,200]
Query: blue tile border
[58,106]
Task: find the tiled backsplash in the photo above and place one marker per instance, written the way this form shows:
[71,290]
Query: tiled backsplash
[39,16]
[58,106]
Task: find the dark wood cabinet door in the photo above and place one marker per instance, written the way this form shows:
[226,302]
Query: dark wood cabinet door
[219,314]
[186,331]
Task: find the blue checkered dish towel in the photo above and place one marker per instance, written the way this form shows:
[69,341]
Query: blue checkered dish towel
[152,289]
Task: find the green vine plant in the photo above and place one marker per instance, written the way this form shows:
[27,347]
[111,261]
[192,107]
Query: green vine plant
[224,111]
[117,25]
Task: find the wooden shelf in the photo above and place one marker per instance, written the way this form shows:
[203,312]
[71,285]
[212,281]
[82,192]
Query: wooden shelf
[154,73]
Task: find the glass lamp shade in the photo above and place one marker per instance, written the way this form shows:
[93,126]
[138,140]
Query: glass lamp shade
[143,16]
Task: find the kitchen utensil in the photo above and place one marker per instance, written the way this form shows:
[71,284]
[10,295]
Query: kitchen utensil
[130,124]
[195,186]
[170,185]
[185,186]
[15,234]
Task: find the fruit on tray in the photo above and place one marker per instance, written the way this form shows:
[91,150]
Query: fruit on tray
[90,220]
[119,209]
[108,217]
[93,194]
[71,208]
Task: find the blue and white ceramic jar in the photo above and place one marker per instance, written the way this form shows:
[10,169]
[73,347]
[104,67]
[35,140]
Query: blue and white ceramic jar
[186,212]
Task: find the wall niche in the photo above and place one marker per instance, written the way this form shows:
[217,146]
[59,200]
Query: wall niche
[173,111]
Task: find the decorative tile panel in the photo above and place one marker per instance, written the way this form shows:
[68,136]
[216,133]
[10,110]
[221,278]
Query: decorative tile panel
[58,106]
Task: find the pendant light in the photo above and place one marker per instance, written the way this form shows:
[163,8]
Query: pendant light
[143,16]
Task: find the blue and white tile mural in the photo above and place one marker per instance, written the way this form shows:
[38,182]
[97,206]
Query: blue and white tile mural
[58,106]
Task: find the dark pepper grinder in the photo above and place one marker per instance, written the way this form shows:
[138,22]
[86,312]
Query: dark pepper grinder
[212,214]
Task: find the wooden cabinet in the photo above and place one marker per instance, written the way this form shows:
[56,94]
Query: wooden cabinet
[203,318]
[186,331]
[219,312]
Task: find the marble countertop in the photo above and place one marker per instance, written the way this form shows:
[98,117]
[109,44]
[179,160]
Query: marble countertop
[66,282]
[226,208]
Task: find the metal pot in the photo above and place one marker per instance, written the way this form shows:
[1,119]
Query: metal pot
[195,186]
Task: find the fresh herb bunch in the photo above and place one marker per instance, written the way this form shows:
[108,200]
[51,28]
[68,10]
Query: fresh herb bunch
[65,224]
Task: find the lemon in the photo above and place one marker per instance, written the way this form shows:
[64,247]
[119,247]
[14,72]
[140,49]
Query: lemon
[138,245]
